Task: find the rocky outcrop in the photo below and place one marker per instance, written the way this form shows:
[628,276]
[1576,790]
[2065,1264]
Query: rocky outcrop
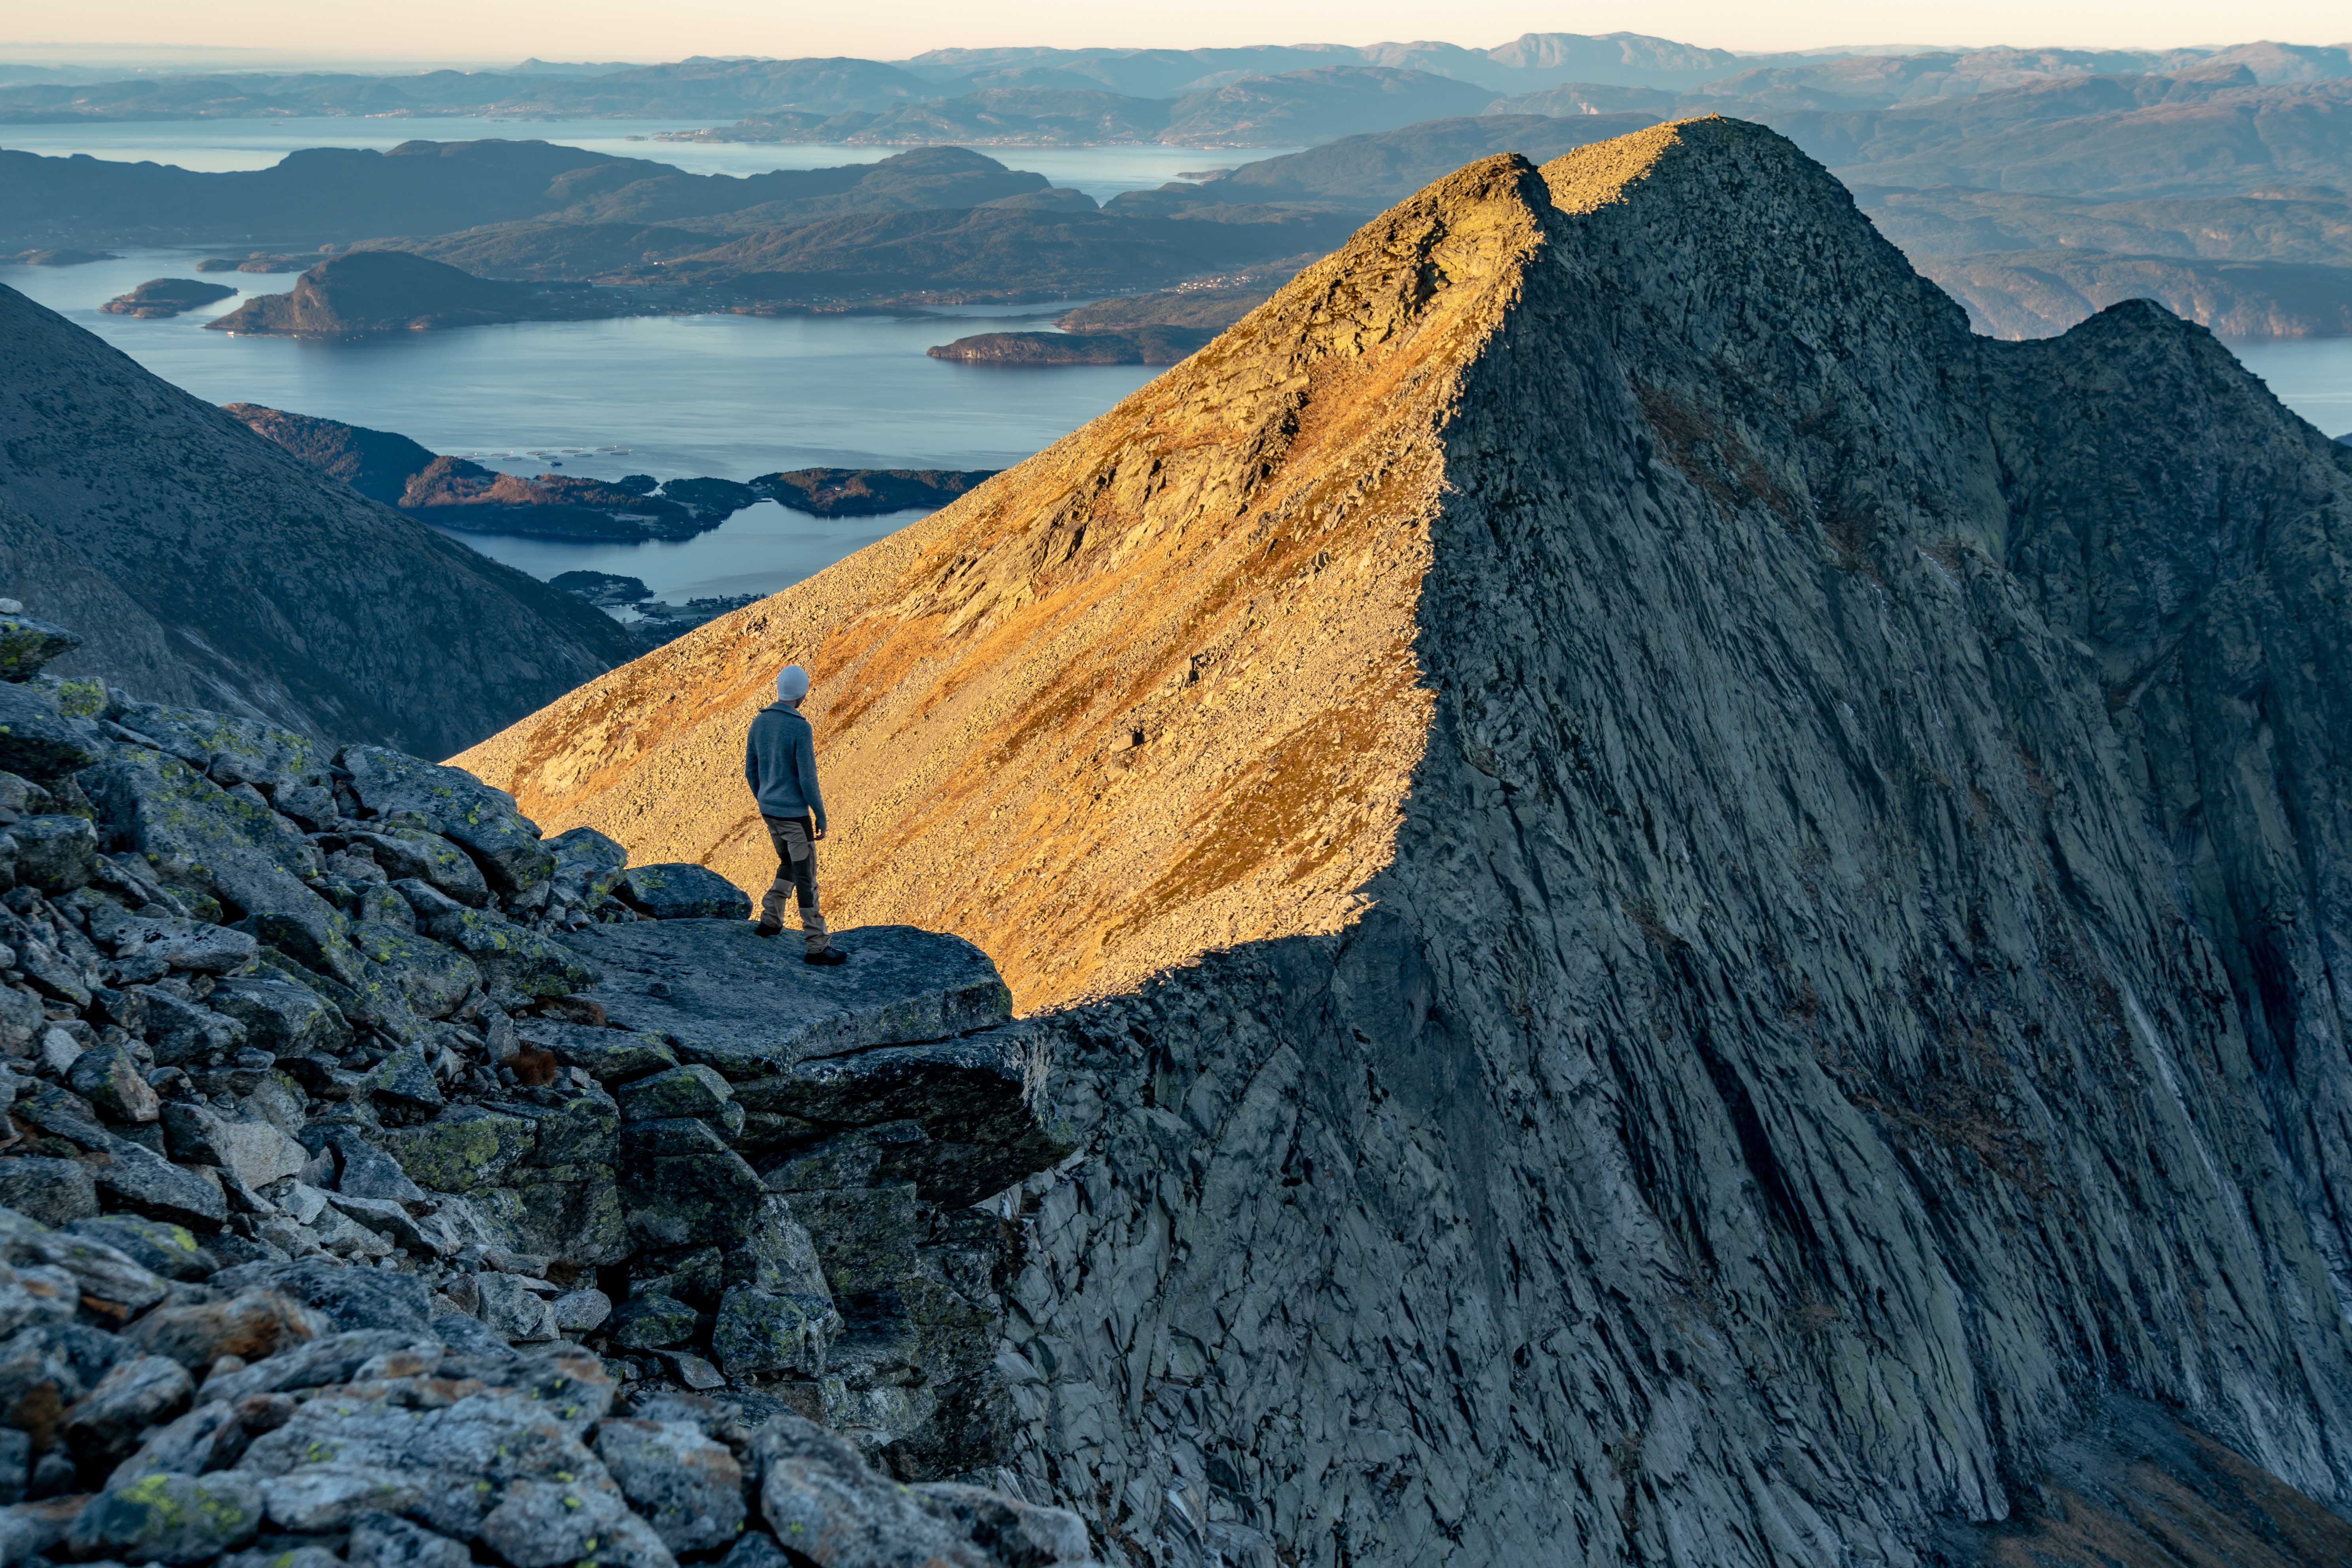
[207,566]
[1684,914]
[456,493]
[161,296]
[373,292]
[379,1178]
[1142,345]
[868,492]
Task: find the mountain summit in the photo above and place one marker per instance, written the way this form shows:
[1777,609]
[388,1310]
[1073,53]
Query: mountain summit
[1686,915]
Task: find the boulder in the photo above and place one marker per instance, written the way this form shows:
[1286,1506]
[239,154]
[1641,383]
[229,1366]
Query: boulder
[435,979]
[410,854]
[816,1493]
[652,1321]
[612,1057]
[231,751]
[112,1419]
[111,1079]
[54,854]
[588,866]
[690,1489]
[27,645]
[512,957]
[762,1331]
[170,1518]
[169,1250]
[682,1185]
[138,1179]
[733,1001]
[186,1032]
[54,1191]
[238,851]
[176,944]
[696,1091]
[254,1151]
[382,1541]
[281,1017]
[349,1299]
[40,741]
[457,806]
[464,1148]
[684,892]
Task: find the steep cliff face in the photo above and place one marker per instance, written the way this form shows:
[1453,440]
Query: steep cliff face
[205,564]
[1782,871]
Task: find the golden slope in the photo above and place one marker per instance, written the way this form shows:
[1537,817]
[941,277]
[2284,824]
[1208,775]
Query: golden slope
[1228,565]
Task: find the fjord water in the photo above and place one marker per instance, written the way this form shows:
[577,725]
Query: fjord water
[730,397]
[215,145]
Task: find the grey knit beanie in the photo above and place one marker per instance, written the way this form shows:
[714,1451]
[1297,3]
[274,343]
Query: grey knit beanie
[792,683]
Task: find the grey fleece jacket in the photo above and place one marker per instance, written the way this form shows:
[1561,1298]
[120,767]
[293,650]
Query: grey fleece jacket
[780,765]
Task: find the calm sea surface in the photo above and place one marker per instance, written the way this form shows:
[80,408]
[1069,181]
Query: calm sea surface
[731,396]
[725,396]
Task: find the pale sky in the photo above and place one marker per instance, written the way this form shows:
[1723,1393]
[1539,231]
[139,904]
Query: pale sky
[495,30]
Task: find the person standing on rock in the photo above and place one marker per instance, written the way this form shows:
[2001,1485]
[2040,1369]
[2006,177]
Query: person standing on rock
[780,765]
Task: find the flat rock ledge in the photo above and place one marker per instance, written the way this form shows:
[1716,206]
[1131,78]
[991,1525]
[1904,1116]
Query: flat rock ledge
[383,1180]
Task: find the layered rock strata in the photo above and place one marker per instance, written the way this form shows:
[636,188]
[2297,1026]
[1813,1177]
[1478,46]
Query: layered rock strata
[1712,901]
[381,1180]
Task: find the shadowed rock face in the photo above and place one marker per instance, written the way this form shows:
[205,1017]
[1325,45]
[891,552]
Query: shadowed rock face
[1780,865]
[206,565]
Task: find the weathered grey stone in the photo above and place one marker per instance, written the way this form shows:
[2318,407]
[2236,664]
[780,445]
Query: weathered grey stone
[255,1150]
[763,1332]
[706,1195]
[961,1119]
[820,1499]
[588,866]
[572,1212]
[1015,1533]
[54,1191]
[208,1438]
[176,944]
[581,1312]
[231,750]
[652,1321]
[427,859]
[735,1003]
[512,957]
[690,1489]
[168,1518]
[315,1498]
[281,1017]
[351,1298]
[110,1283]
[110,1421]
[25,645]
[54,854]
[383,1541]
[39,741]
[457,806]
[184,1032]
[512,1309]
[289,1557]
[574,1125]
[696,1091]
[143,1182]
[465,1148]
[169,1250]
[435,978]
[35,1294]
[684,892]
[331,1358]
[238,851]
[866,1236]
[114,1083]
[403,1084]
[367,1172]
[539,1524]
[426,1237]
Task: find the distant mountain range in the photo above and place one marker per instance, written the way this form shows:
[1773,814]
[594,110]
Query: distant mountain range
[2040,184]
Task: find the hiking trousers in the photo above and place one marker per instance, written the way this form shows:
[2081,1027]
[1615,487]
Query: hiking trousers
[796,871]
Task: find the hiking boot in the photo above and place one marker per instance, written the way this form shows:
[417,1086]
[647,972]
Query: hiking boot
[827,955]
[766,928]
